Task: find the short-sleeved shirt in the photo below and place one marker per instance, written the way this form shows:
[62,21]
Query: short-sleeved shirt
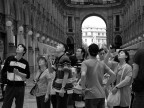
[63,65]
[43,82]
[126,70]
[94,78]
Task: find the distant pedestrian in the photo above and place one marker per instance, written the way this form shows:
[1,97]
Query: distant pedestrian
[17,70]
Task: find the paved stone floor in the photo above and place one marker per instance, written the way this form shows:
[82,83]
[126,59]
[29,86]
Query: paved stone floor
[29,101]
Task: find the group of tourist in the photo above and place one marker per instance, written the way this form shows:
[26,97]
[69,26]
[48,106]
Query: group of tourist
[80,80]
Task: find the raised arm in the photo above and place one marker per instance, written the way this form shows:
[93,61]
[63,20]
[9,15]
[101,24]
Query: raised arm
[83,74]
[111,73]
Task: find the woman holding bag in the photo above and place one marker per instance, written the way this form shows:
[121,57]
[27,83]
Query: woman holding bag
[123,80]
[43,78]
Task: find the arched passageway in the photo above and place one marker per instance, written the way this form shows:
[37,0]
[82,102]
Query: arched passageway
[94,31]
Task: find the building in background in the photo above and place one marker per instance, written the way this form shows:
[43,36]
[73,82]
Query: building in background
[42,24]
[94,35]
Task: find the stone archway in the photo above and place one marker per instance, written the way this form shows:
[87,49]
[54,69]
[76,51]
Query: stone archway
[84,14]
[70,44]
[94,14]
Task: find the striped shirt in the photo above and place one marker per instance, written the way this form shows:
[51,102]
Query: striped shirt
[63,65]
[12,63]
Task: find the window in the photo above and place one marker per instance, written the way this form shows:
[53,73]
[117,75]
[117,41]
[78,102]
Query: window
[117,23]
[83,34]
[94,34]
[89,33]
[70,29]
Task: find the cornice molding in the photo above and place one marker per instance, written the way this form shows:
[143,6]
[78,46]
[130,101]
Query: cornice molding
[94,6]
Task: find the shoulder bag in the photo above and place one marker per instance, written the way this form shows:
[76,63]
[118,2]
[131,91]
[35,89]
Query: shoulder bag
[114,99]
[35,88]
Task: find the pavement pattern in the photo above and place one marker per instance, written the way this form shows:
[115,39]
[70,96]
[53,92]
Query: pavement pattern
[29,100]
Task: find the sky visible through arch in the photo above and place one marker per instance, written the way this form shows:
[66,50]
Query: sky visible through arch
[94,21]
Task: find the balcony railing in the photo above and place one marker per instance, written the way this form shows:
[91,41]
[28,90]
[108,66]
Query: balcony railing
[91,2]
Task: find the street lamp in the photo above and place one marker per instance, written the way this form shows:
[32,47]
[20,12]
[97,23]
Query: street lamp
[140,38]
[47,40]
[8,23]
[20,35]
[9,31]
[136,40]
[37,35]
[20,29]
[30,33]
[43,38]
[51,42]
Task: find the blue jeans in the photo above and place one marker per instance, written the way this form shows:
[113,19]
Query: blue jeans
[95,103]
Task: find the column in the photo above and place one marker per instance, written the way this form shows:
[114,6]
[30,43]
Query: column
[20,39]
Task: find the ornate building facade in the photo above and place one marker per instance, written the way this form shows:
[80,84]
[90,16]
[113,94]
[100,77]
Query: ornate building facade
[42,24]
[94,35]
[38,24]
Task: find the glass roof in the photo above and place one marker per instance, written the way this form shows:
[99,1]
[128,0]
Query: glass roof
[93,2]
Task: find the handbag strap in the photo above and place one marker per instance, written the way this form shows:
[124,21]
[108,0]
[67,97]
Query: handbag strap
[40,75]
[123,69]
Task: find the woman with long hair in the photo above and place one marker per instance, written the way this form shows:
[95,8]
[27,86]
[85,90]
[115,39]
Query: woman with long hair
[43,78]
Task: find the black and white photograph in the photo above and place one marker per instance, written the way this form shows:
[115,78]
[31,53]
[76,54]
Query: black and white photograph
[71,53]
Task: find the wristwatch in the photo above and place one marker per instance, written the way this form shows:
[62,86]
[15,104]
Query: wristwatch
[117,87]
